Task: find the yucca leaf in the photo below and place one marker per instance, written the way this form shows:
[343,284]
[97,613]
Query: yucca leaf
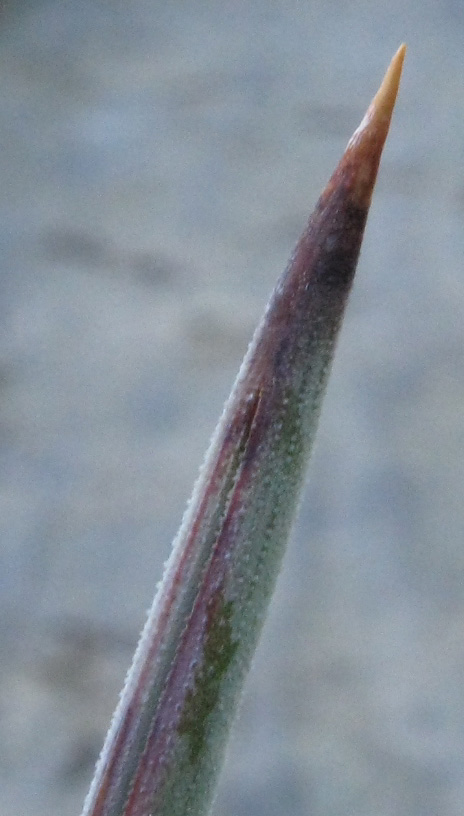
[165,746]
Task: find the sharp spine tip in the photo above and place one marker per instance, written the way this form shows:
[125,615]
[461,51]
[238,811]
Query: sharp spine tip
[365,146]
[384,100]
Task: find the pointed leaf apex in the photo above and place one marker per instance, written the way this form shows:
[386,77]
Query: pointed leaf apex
[384,101]
[361,159]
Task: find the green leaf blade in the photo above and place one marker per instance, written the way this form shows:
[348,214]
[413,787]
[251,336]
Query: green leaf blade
[165,747]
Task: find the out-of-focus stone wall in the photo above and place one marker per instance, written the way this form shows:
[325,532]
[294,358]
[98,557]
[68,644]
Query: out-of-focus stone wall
[158,161]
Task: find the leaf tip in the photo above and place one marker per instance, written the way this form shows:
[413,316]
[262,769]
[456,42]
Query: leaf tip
[384,101]
[366,144]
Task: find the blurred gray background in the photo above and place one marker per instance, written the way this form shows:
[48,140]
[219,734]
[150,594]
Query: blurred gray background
[158,161]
